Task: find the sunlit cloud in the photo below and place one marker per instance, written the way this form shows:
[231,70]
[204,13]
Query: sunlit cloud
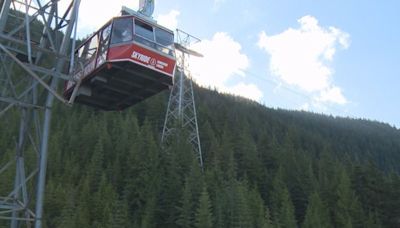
[301,57]
[223,60]
[93,14]
[332,95]
[250,91]
[90,18]
[169,20]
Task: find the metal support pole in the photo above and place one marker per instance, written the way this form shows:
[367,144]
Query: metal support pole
[43,160]
[19,160]
[181,86]
[28,31]
[4,14]
[47,121]
[197,127]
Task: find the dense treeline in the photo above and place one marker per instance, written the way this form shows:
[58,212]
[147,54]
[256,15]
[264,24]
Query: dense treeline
[263,168]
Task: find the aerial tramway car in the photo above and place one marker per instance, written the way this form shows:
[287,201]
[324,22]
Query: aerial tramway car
[128,60]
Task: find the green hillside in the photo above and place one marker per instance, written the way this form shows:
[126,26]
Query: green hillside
[263,168]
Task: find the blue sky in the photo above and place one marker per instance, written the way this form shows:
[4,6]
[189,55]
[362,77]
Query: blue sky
[334,57]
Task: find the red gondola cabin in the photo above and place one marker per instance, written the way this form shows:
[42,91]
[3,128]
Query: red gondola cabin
[128,60]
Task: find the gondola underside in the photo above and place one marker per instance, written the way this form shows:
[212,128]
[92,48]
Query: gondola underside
[119,85]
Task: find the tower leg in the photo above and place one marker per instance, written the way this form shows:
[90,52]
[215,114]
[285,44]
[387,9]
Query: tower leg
[181,111]
[43,163]
[19,182]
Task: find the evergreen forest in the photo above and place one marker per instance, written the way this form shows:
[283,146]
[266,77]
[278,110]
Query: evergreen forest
[263,168]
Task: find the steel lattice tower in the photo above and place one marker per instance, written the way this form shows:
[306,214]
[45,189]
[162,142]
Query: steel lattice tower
[35,39]
[181,111]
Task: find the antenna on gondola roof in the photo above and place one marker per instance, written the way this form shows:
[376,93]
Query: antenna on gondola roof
[145,11]
[146,7]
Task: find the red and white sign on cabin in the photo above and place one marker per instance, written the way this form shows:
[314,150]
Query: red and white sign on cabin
[144,57]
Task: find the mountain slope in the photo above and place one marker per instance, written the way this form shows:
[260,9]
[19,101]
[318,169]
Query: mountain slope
[358,140]
[263,168]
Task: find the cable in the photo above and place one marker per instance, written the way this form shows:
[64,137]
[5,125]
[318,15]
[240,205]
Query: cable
[285,87]
[256,76]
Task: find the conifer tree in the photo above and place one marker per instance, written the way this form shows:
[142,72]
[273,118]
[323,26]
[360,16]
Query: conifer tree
[242,214]
[392,200]
[221,208]
[186,209]
[178,164]
[317,215]
[286,216]
[260,216]
[103,204]
[68,213]
[204,216]
[120,218]
[281,205]
[347,208]
[56,196]
[84,213]
[373,221]
[149,216]
[193,185]
[267,221]
[95,168]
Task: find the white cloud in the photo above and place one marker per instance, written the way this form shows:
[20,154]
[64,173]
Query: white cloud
[93,13]
[90,19]
[305,107]
[222,61]
[169,20]
[250,91]
[332,95]
[301,57]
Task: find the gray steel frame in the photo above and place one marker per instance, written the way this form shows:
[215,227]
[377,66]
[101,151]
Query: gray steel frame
[181,111]
[32,95]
